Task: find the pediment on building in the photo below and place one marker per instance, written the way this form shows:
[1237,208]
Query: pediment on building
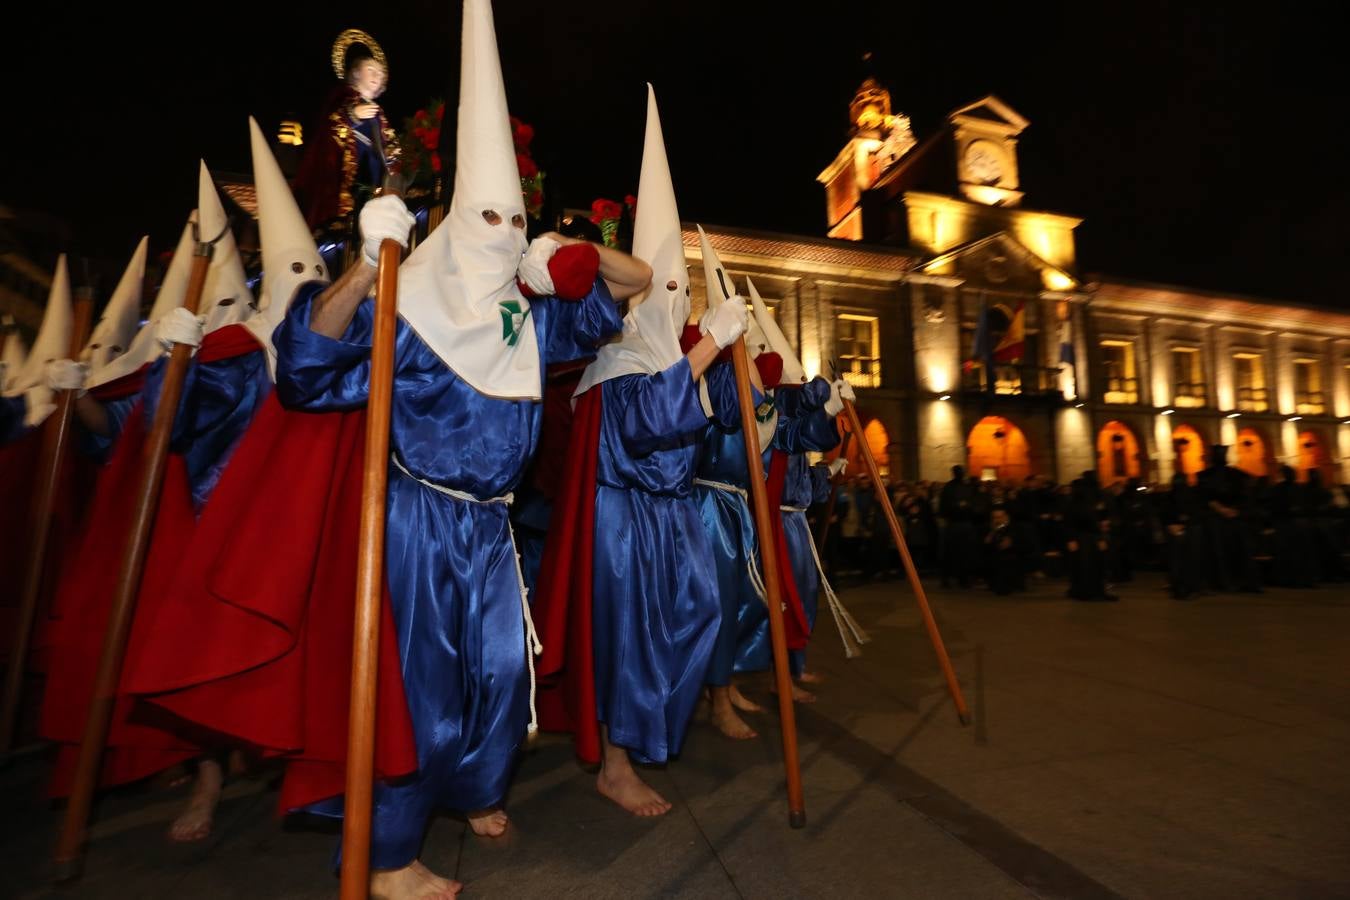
[990,110]
[999,262]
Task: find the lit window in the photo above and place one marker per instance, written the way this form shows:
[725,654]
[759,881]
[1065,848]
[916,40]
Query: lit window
[1308,399]
[858,346]
[1250,380]
[1188,377]
[1122,385]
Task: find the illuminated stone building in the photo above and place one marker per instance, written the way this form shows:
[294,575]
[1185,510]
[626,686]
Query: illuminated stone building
[924,237]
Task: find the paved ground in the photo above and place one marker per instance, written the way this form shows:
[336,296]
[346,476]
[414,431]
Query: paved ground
[1142,749]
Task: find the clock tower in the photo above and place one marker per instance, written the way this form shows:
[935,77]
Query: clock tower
[985,136]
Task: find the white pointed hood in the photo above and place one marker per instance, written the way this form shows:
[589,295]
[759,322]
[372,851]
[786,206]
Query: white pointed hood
[720,288]
[289,257]
[458,288]
[650,341]
[793,373]
[117,326]
[53,337]
[226,299]
[172,292]
[12,357]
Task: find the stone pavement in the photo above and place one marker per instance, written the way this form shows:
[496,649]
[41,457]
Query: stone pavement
[1146,748]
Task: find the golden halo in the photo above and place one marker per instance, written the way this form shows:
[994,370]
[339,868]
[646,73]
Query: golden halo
[355,36]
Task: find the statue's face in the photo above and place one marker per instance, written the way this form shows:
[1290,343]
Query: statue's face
[369,79]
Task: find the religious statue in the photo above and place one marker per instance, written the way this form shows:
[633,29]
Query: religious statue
[353,144]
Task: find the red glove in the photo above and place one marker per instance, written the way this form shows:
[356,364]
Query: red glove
[573,268]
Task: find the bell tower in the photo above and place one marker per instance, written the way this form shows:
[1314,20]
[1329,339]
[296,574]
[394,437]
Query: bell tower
[878,139]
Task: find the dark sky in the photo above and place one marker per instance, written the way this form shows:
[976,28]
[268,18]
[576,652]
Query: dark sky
[1190,138]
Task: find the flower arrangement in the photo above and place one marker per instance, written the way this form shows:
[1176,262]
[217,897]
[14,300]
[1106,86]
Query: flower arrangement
[421,164]
[531,178]
[607,214]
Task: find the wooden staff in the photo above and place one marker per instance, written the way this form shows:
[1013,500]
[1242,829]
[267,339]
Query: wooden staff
[55,438]
[834,494]
[153,457]
[370,581]
[773,592]
[884,500]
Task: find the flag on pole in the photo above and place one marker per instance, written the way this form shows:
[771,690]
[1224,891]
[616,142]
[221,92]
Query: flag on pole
[1014,344]
[980,347]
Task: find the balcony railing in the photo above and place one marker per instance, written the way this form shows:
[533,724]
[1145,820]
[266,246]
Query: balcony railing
[861,371]
[1189,394]
[1309,403]
[1012,380]
[1121,390]
[1252,399]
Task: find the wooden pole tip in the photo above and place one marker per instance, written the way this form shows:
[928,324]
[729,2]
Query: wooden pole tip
[797,818]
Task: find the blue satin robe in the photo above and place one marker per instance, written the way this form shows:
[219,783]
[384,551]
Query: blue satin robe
[803,426]
[451,565]
[731,534]
[655,609]
[218,402]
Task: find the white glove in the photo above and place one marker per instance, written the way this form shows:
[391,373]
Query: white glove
[534,266]
[180,327]
[845,390]
[40,404]
[837,467]
[726,321]
[384,218]
[65,375]
[835,404]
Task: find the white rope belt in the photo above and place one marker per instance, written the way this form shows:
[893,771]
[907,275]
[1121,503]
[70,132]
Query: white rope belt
[533,647]
[848,626]
[723,486]
[756,579]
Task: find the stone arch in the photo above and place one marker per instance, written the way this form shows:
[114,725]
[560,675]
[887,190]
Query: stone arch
[997,445]
[1313,454]
[1253,453]
[1189,449]
[1118,456]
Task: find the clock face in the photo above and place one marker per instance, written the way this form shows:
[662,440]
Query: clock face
[983,163]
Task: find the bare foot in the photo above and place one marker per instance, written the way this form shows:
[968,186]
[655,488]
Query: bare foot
[808,677]
[619,782]
[488,822]
[194,822]
[799,693]
[725,718]
[742,702]
[412,882]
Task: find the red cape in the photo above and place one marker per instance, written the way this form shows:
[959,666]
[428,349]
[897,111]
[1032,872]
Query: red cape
[796,627]
[256,643]
[141,742]
[562,603]
[75,483]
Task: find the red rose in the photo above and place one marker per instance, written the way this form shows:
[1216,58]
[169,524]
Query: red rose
[605,209]
[435,162]
[430,138]
[526,165]
[521,134]
[630,201]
